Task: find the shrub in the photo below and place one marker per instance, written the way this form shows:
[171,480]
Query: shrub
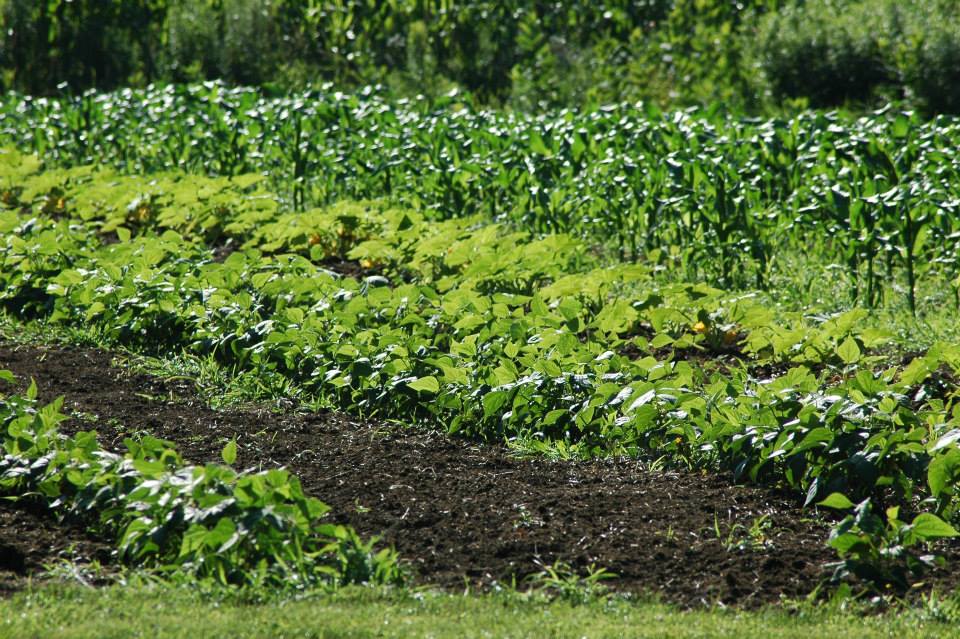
[84,43]
[930,57]
[827,51]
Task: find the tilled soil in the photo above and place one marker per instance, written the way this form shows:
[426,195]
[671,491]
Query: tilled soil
[33,542]
[457,512]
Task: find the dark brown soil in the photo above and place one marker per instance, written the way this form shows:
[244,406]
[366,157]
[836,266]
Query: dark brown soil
[454,510]
[32,541]
[223,249]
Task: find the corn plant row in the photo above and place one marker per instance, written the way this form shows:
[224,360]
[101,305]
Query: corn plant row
[717,196]
[211,522]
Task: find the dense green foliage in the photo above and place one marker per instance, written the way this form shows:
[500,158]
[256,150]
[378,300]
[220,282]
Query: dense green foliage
[831,51]
[750,54]
[211,522]
[711,196]
[542,274]
[416,45]
[486,331]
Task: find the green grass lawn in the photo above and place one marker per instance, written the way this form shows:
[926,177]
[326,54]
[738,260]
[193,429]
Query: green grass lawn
[167,611]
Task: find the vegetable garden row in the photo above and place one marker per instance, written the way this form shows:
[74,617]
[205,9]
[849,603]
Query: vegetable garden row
[718,196]
[451,298]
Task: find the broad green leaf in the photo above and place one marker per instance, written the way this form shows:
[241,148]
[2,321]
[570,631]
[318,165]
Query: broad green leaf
[848,351]
[943,471]
[229,452]
[816,437]
[920,240]
[149,468]
[453,374]
[553,416]
[845,543]
[94,309]
[836,501]
[900,126]
[428,384]
[537,144]
[660,340]
[577,147]
[493,402]
[616,317]
[222,536]
[929,526]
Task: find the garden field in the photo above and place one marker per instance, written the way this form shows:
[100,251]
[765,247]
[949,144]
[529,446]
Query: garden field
[371,351]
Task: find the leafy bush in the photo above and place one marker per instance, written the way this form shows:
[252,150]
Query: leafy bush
[930,56]
[529,55]
[832,51]
[475,43]
[500,334]
[883,554]
[192,36]
[208,522]
[242,40]
[82,42]
[827,51]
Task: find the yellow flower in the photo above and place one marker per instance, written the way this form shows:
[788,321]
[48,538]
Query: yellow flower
[699,327]
[366,263]
[314,239]
[730,337]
